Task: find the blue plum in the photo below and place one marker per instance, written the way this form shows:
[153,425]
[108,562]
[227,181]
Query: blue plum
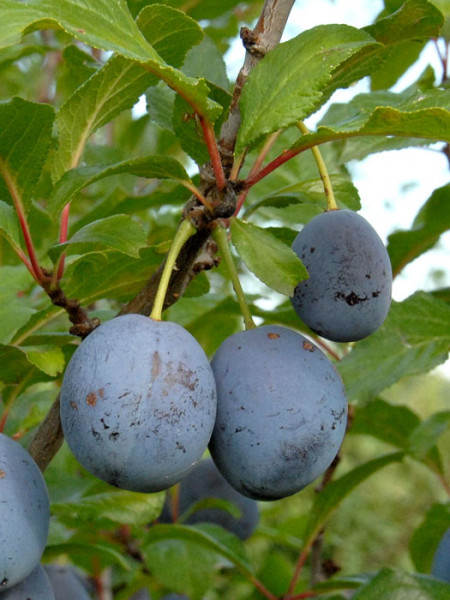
[24,513]
[441,560]
[175,597]
[205,481]
[138,403]
[67,584]
[281,412]
[348,293]
[141,595]
[36,586]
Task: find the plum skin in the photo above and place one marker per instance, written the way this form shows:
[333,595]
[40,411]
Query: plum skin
[281,412]
[348,293]
[24,513]
[206,481]
[441,559]
[36,586]
[138,403]
[66,583]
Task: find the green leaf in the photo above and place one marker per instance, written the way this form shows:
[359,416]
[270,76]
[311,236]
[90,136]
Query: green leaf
[118,85]
[332,495]
[396,585]
[84,553]
[205,60]
[405,33]
[414,339]
[25,140]
[9,224]
[425,436]
[151,167]
[289,84]
[424,115]
[49,359]
[119,232]
[432,220]
[270,260]
[427,536]
[15,366]
[118,506]
[212,538]
[15,306]
[311,191]
[390,423]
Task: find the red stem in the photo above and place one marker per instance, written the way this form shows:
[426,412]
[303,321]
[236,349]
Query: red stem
[3,420]
[63,237]
[272,166]
[262,589]
[36,269]
[211,143]
[298,567]
[302,596]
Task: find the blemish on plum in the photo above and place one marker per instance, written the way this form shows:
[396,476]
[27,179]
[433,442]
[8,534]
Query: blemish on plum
[114,435]
[273,336]
[2,474]
[74,405]
[95,433]
[3,582]
[91,399]
[352,299]
[308,346]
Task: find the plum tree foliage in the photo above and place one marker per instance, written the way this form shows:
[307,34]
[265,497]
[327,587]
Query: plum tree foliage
[184,272]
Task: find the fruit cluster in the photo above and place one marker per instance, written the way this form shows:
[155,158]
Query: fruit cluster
[140,402]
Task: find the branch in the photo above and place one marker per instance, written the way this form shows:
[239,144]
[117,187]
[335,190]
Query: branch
[265,36]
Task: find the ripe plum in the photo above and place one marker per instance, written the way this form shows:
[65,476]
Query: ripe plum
[441,560]
[36,586]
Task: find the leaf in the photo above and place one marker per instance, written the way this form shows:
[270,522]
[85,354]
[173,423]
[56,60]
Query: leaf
[205,60]
[118,506]
[397,585]
[427,536]
[425,436]
[119,83]
[289,84]
[432,220]
[391,423]
[49,359]
[15,367]
[414,339]
[204,535]
[405,33]
[270,260]
[311,191]
[15,306]
[332,495]
[119,232]
[424,115]
[151,167]
[9,224]
[25,141]
[84,553]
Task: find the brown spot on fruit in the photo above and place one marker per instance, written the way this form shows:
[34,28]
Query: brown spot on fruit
[74,405]
[101,392]
[273,336]
[156,365]
[308,346]
[2,474]
[91,399]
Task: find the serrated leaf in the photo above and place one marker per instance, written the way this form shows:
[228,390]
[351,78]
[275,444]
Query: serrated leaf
[118,506]
[49,359]
[425,436]
[15,366]
[205,60]
[397,585]
[432,220]
[270,260]
[119,83]
[290,83]
[427,536]
[25,140]
[9,224]
[151,167]
[388,422]
[424,115]
[15,306]
[119,232]
[405,33]
[332,495]
[205,536]
[414,339]
[311,191]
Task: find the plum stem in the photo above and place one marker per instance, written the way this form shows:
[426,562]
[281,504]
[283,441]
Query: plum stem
[323,171]
[185,231]
[220,237]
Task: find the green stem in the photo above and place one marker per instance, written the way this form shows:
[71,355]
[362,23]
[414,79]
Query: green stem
[185,231]
[327,187]
[220,237]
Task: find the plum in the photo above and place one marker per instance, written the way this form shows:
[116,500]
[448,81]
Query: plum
[175,597]
[281,412]
[141,595]
[205,481]
[138,403]
[441,560]
[348,293]
[67,584]
[24,513]
[36,586]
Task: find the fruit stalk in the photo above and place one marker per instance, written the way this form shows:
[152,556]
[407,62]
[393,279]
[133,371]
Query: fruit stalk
[323,171]
[220,237]
[185,231]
